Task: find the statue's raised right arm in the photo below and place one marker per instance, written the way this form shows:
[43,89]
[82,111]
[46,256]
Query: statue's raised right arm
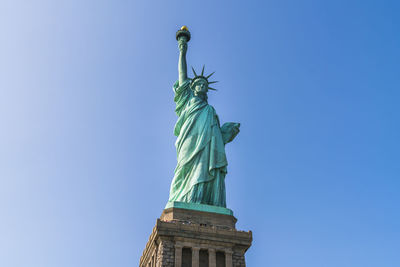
[182,66]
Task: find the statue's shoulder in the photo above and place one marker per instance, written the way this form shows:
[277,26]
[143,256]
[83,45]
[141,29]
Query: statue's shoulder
[185,86]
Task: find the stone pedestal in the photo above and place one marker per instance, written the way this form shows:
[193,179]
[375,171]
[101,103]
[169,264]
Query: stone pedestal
[193,238]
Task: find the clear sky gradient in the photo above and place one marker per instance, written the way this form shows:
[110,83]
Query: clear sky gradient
[87,114]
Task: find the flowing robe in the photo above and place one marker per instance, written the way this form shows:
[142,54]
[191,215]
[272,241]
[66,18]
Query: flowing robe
[201,168]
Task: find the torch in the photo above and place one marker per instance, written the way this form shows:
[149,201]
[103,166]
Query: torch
[183,34]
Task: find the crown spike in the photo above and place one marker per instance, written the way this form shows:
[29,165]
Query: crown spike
[212,82]
[210,88]
[210,75]
[202,71]
[194,72]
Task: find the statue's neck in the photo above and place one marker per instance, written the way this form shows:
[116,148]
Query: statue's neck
[201,96]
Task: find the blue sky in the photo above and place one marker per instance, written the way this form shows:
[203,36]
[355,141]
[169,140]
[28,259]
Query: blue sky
[87,147]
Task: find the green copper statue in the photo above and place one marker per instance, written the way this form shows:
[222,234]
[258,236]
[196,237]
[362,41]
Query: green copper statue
[200,145]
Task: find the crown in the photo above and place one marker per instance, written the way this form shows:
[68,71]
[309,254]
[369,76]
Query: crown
[201,76]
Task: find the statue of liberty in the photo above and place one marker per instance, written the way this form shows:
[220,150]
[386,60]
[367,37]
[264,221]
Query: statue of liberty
[200,145]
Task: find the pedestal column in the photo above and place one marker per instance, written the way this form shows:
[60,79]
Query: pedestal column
[178,255]
[212,259]
[195,257]
[228,258]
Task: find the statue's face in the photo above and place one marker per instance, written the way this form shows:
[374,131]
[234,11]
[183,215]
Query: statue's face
[200,87]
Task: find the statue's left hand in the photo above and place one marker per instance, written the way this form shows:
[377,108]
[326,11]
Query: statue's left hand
[229,131]
[236,129]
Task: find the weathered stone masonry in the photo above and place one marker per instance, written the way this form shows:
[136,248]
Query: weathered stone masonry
[185,238]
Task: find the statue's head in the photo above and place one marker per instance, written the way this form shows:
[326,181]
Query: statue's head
[200,83]
[200,86]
